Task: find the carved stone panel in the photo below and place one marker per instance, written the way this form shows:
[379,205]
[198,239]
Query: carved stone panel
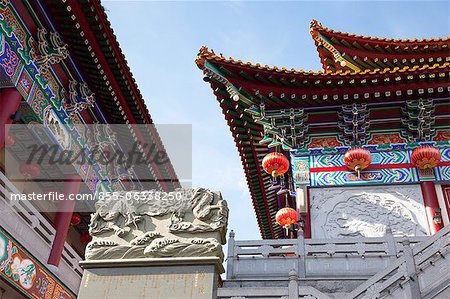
[367,211]
[155,224]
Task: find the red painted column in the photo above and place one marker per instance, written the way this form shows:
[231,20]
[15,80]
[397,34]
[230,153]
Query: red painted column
[62,220]
[9,103]
[431,203]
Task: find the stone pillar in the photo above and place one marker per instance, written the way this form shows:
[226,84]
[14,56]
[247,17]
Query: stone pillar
[9,103]
[62,220]
[301,253]
[413,291]
[230,255]
[391,244]
[293,285]
[431,203]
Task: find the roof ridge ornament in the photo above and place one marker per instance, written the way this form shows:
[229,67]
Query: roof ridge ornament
[314,24]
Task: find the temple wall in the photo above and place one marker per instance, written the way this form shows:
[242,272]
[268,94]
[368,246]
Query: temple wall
[367,211]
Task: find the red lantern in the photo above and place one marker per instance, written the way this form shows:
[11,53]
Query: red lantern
[10,140]
[286,216]
[426,157]
[85,237]
[357,159]
[30,170]
[275,164]
[75,219]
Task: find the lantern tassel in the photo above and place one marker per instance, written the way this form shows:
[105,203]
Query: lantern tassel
[358,171]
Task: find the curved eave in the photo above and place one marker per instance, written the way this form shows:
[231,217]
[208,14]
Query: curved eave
[86,29]
[205,55]
[316,27]
[281,88]
[385,51]
[251,154]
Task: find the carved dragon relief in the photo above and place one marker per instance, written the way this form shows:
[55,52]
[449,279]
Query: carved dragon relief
[186,222]
[352,213]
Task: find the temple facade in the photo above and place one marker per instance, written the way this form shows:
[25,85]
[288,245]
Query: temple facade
[337,161]
[62,70]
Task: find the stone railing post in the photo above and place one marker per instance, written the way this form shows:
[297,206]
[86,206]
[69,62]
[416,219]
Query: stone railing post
[230,255]
[391,244]
[413,282]
[301,253]
[293,285]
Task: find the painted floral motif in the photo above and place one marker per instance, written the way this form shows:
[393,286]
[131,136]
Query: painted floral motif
[320,142]
[9,61]
[26,274]
[443,135]
[301,171]
[39,103]
[24,271]
[12,22]
[5,262]
[48,77]
[387,138]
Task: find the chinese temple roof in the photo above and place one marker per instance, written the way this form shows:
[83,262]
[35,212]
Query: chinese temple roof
[84,26]
[242,86]
[281,87]
[344,51]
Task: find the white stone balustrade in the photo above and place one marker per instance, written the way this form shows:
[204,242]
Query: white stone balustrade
[310,258]
[385,267]
[422,272]
[33,231]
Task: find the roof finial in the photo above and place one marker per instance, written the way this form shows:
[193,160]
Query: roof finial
[314,24]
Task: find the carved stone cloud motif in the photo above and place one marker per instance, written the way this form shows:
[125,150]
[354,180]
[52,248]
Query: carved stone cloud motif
[182,223]
[367,211]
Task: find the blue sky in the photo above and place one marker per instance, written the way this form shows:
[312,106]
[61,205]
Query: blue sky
[160,40]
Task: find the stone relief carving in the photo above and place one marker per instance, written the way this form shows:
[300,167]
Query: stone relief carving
[182,223]
[367,212]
